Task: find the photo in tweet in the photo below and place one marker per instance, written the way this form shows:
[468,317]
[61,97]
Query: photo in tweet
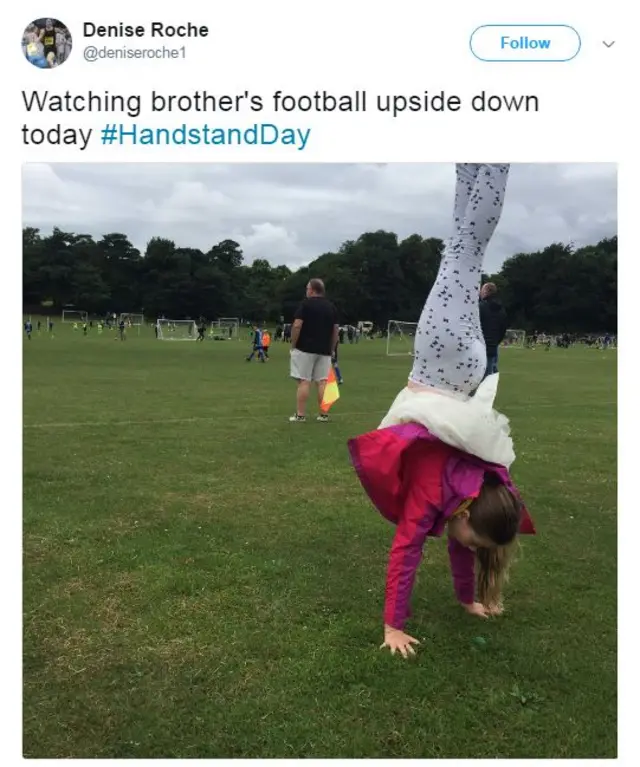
[272,411]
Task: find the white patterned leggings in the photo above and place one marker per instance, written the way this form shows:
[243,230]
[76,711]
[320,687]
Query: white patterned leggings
[449,349]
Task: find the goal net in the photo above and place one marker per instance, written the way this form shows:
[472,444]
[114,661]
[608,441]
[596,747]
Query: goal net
[515,337]
[400,337]
[225,329]
[73,315]
[177,330]
[132,320]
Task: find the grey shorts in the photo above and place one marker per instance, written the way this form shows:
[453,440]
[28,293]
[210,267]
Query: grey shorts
[309,367]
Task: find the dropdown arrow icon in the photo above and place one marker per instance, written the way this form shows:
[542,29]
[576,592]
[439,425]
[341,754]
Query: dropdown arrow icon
[608,45]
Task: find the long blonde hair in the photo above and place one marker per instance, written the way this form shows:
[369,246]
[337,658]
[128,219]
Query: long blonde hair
[493,571]
[495,515]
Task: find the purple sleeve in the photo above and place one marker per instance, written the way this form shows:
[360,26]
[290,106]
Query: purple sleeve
[463,570]
[405,556]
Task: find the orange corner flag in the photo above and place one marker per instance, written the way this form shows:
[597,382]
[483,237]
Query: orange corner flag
[331,392]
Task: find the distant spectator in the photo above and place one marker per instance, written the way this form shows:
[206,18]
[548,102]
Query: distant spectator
[314,338]
[493,320]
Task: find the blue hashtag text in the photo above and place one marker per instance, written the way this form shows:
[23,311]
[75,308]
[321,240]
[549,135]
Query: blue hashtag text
[259,134]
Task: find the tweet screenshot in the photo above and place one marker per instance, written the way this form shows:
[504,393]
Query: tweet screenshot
[313,452]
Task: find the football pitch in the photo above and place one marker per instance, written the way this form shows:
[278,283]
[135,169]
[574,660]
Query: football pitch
[203,578]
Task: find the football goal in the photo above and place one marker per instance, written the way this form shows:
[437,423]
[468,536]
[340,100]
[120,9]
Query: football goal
[177,330]
[515,337]
[225,329]
[132,320]
[400,336]
[74,315]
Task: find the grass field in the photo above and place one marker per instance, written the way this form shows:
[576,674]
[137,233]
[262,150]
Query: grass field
[204,579]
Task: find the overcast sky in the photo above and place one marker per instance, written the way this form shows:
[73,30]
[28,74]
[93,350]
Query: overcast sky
[290,214]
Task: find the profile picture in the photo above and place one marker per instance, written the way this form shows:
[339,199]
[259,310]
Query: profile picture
[46,43]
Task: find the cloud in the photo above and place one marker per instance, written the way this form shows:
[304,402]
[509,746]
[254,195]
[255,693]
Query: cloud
[292,213]
[267,238]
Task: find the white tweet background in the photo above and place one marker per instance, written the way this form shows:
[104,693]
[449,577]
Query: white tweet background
[390,48]
[403,47]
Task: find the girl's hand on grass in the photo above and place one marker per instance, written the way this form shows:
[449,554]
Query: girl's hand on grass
[398,641]
[477,609]
[495,609]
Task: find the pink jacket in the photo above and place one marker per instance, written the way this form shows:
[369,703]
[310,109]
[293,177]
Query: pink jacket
[417,482]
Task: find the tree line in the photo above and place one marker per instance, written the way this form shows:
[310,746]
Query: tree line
[376,277]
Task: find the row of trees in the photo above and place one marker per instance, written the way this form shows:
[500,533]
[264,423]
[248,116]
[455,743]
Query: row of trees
[376,277]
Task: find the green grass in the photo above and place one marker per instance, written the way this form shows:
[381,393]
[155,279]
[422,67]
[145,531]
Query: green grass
[204,579]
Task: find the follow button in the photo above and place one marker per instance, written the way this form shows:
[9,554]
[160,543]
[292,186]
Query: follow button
[525,42]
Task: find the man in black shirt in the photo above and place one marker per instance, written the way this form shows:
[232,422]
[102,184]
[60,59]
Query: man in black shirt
[314,337]
[493,320]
